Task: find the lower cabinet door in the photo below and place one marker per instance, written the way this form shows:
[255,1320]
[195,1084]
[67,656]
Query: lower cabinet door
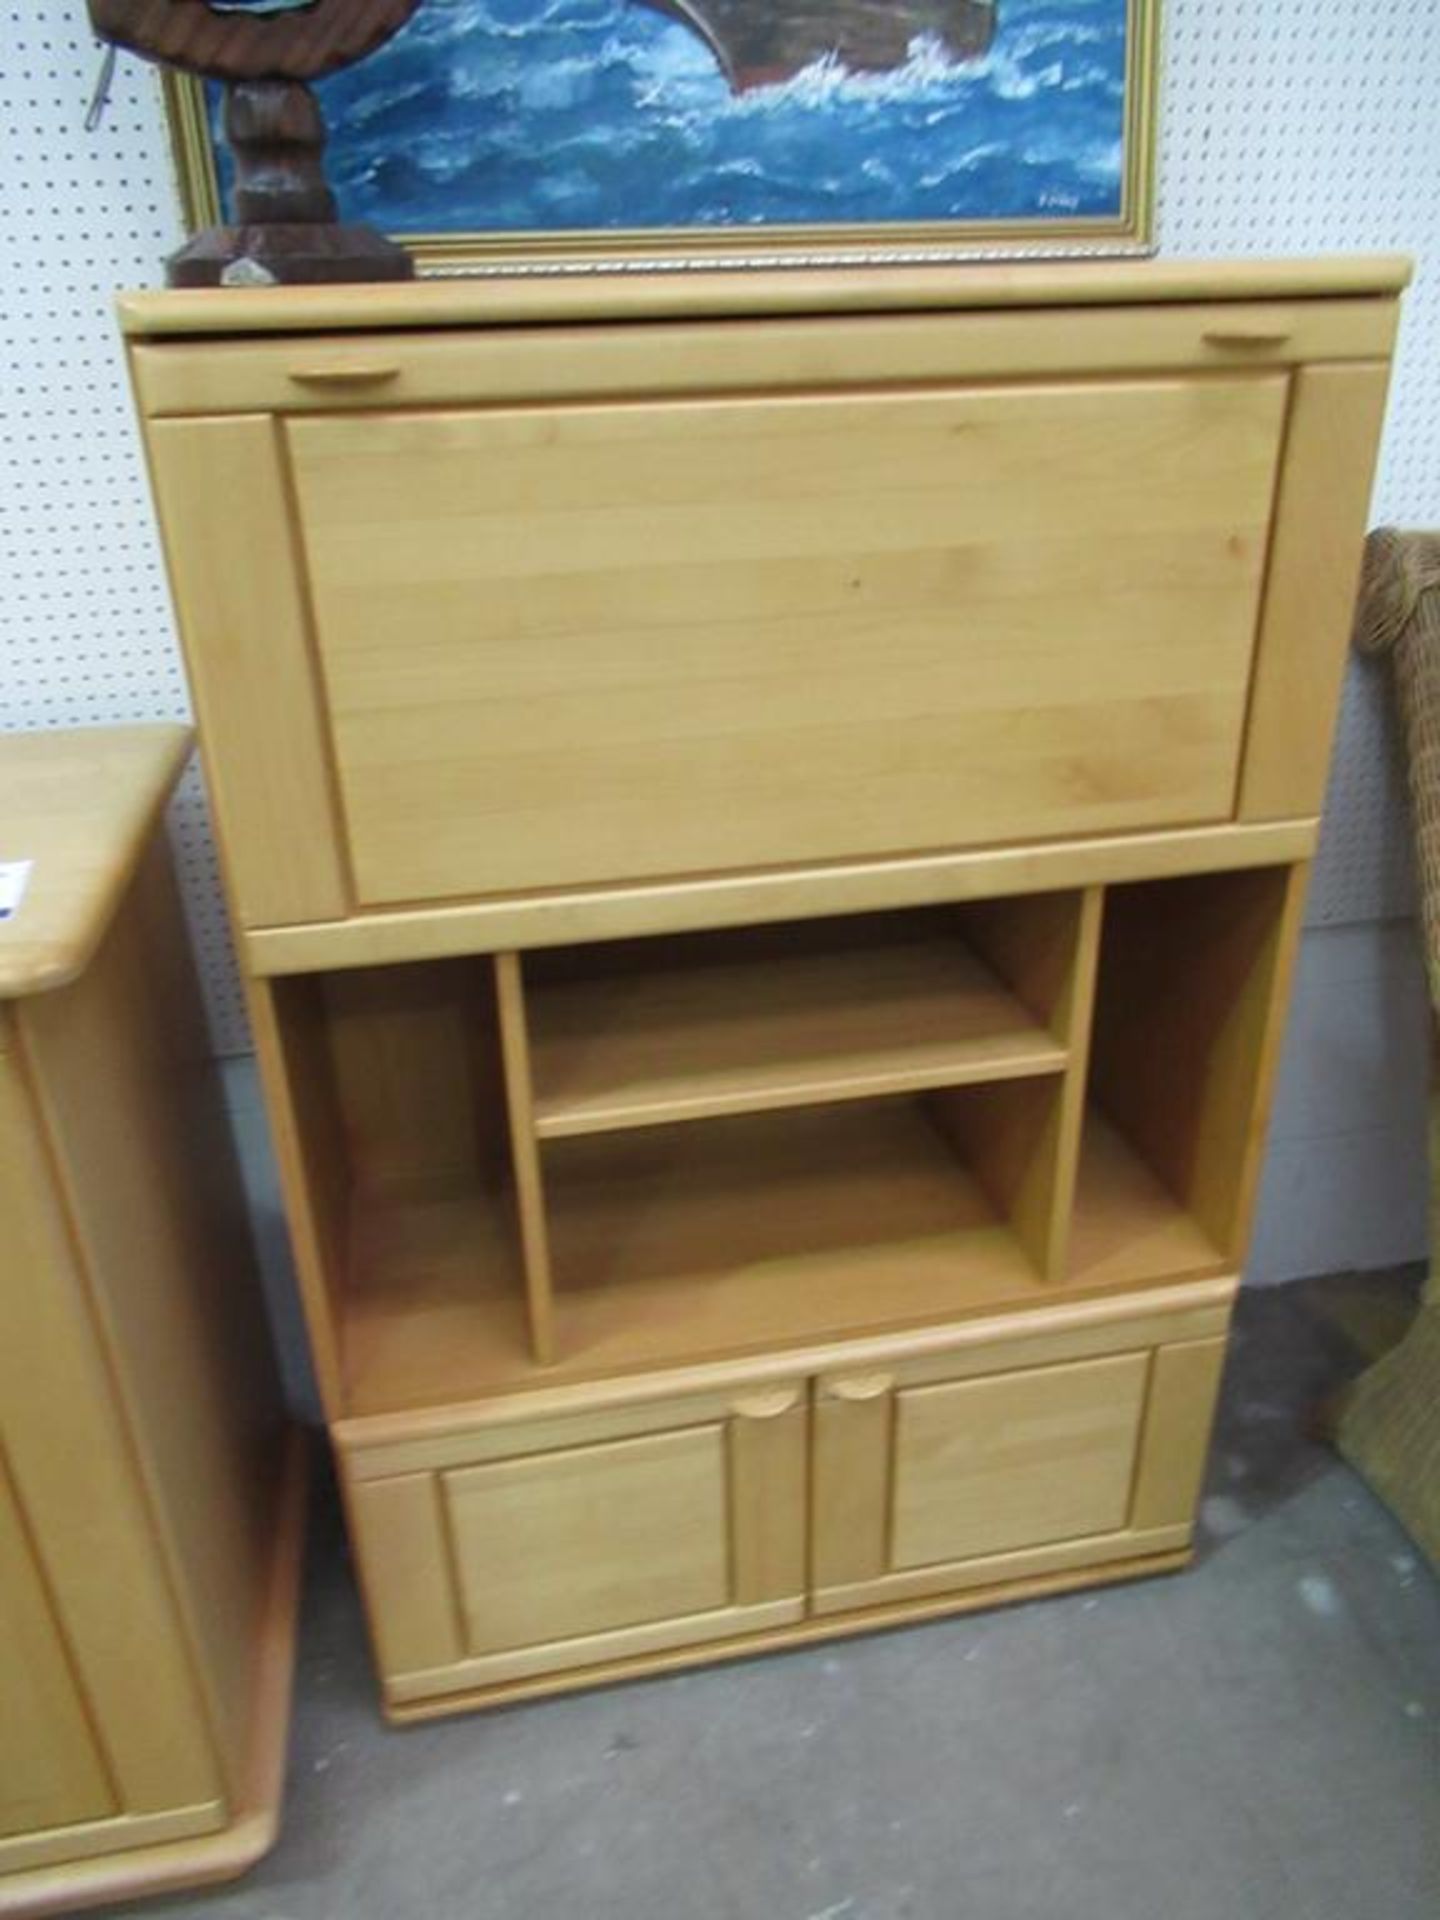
[940,1475]
[523,1549]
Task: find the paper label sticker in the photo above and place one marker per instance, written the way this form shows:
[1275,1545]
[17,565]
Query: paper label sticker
[14,878]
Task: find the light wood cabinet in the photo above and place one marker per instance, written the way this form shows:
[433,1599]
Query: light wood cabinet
[767,819]
[149,1510]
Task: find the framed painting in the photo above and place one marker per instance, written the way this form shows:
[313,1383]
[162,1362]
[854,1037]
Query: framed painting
[679,132]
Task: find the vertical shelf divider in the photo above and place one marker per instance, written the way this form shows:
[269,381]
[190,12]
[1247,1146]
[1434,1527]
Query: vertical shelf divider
[1023,1137]
[1075,1019]
[1006,1131]
[525,1155]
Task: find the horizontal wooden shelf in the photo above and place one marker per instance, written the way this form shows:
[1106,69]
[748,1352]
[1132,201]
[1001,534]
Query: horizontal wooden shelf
[758,1232]
[643,1047]
[685,1244]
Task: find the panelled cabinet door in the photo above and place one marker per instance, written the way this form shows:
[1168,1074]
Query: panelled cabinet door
[938,1476]
[539,1547]
[686,635]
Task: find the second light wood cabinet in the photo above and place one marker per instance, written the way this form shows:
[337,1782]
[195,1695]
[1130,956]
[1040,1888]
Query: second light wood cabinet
[150,1497]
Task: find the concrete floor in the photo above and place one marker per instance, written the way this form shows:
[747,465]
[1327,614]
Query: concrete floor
[1257,1737]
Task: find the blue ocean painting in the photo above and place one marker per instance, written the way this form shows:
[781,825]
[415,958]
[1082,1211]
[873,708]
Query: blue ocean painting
[551,115]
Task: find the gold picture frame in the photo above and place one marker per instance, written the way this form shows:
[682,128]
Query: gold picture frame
[1130,231]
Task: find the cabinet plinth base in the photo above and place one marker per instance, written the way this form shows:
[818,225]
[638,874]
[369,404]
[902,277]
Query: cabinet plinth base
[806,1633]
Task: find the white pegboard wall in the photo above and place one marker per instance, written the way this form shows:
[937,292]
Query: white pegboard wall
[85,627]
[1290,127]
[1306,126]
[1299,127]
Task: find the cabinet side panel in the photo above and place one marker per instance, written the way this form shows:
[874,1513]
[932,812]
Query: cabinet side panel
[1184,1383]
[292,1044]
[132,1102]
[1325,483]
[53,1774]
[73,1465]
[235,572]
[418,1112]
[1241,1088]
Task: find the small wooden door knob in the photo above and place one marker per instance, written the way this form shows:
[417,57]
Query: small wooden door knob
[858,1386]
[766,1403]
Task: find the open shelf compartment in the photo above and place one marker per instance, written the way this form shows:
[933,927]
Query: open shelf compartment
[463,1250]
[650,1032]
[1189,1011]
[683,1244]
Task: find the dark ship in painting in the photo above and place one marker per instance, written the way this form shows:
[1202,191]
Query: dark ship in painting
[761,42]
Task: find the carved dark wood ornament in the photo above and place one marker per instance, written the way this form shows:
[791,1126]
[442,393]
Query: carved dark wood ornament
[287,226]
[301,43]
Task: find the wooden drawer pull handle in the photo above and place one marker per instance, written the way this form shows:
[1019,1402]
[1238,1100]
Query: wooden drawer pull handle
[342,376]
[1241,338]
[859,1386]
[768,1403]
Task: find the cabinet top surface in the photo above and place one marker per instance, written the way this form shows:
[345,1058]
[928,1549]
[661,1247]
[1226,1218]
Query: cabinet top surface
[508,299]
[79,806]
